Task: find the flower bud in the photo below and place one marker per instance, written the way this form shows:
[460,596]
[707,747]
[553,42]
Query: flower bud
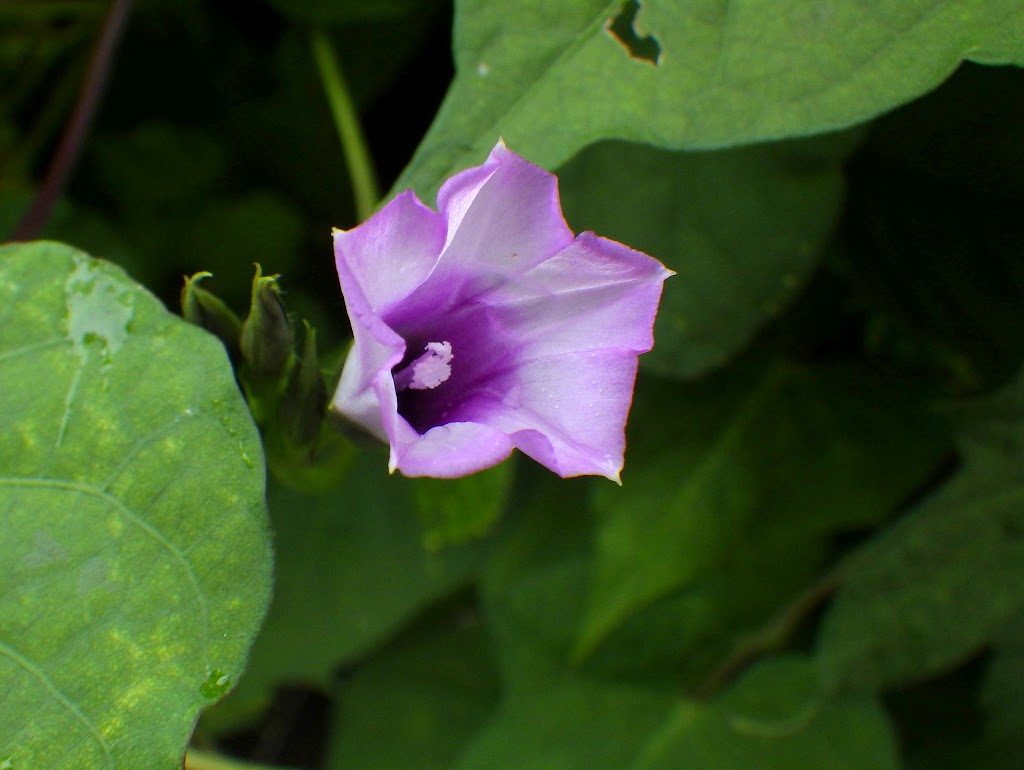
[204,309]
[304,403]
[266,339]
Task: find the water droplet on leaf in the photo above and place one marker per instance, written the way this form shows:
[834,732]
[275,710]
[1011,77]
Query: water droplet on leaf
[216,684]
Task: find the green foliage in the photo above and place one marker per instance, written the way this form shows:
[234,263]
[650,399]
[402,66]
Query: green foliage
[351,567]
[937,245]
[458,510]
[815,559]
[335,11]
[776,718]
[938,585]
[186,220]
[555,79]
[738,451]
[743,229]
[135,543]
[567,726]
[418,701]
[1003,699]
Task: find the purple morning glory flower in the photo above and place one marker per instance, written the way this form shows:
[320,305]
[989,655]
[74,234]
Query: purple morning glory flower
[488,326]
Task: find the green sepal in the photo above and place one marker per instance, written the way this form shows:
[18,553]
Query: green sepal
[303,451]
[304,404]
[208,311]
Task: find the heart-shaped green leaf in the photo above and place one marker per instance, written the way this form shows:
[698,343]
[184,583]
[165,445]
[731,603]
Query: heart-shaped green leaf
[134,542]
[552,78]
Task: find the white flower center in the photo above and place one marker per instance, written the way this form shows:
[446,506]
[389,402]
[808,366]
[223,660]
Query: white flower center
[429,370]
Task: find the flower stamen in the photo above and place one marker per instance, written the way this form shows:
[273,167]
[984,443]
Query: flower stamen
[429,370]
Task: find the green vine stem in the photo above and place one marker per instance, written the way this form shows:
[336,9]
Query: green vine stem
[346,121]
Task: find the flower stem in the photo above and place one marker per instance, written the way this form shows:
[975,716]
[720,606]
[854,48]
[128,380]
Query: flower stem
[206,760]
[353,143]
[66,156]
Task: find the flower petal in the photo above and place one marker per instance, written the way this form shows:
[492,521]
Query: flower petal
[505,213]
[392,252]
[447,451]
[594,294]
[567,411]
[366,390]
[502,218]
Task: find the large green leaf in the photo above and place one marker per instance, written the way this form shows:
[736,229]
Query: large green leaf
[572,724]
[751,470]
[352,568]
[742,228]
[1003,698]
[551,77]
[775,718]
[455,511]
[559,715]
[134,540]
[936,587]
[416,702]
[533,585]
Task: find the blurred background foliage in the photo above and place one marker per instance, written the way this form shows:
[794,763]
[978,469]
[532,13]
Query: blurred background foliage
[817,556]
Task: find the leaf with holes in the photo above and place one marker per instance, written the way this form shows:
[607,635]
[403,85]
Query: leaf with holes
[134,543]
[554,77]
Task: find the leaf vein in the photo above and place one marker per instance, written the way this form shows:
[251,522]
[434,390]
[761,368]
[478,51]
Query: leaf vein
[143,443]
[69,400]
[8,355]
[130,515]
[63,699]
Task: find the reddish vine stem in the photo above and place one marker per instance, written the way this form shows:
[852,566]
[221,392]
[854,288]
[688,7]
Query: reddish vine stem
[71,141]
